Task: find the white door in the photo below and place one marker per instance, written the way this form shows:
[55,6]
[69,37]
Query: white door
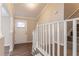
[20,31]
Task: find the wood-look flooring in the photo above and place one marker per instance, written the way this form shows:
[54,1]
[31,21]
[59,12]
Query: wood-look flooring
[24,49]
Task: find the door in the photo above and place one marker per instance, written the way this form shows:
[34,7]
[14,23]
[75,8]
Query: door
[20,31]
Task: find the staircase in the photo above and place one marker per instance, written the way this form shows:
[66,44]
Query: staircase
[70,38]
[75,14]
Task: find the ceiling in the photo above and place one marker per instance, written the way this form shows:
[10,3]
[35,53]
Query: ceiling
[20,9]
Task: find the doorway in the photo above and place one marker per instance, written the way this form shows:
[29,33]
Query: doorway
[20,31]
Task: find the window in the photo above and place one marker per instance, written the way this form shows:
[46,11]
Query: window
[20,24]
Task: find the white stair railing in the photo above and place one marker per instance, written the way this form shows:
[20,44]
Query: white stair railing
[47,36]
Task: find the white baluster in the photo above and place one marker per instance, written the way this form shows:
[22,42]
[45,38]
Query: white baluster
[58,41]
[74,38]
[49,38]
[65,38]
[53,44]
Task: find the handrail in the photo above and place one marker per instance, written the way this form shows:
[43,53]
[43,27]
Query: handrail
[59,21]
[67,20]
[72,19]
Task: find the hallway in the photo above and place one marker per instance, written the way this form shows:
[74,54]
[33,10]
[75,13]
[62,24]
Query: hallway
[45,26]
[24,49]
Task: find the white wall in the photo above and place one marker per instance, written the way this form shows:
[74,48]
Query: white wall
[7,26]
[53,12]
[6,29]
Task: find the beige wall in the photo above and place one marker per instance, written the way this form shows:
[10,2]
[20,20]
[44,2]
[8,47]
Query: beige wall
[30,27]
[52,12]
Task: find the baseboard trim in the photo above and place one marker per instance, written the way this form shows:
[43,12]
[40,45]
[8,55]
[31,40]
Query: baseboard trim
[29,42]
[24,42]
